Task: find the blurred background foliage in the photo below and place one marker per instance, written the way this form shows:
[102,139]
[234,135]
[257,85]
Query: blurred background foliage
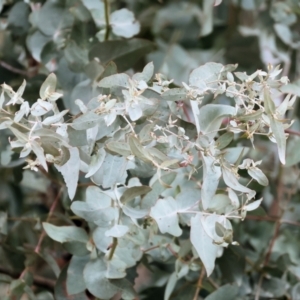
[83,41]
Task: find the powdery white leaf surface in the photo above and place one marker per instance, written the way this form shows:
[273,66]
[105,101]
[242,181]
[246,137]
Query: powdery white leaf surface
[133,192]
[115,80]
[203,244]
[94,275]
[94,212]
[97,207]
[233,154]
[88,120]
[134,111]
[209,224]
[228,291]
[164,213]
[209,73]
[136,213]
[3,222]
[157,188]
[112,171]
[39,152]
[170,286]
[254,205]
[259,176]
[101,241]
[75,283]
[232,182]
[187,200]
[97,10]
[233,198]
[211,116]
[124,24]
[146,74]
[211,177]
[196,113]
[217,2]
[293,156]
[70,171]
[117,231]
[279,134]
[56,118]
[268,102]
[116,268]
[284,32]
[207,17]
[175,94]
[63,234]
[48,87]
[40,108]
[219,203]
[2,99]
[291,88]
[121,148]
[96,162]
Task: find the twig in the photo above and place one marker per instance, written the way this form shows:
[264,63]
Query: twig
[37,280]
[257,294]
[199,283]
[151,248]
[130,125]
[172,251]
[272,219]
[291,131]
[275,235]
[13,69]
[16,70]
[113,248]
[106,4]
[52,208]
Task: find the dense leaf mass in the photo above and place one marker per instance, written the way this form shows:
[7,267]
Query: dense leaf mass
[147,156]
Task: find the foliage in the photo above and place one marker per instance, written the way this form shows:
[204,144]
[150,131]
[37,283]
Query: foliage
[139,160]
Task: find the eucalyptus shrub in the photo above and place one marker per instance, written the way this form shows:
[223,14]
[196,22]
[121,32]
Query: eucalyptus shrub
[132,185]
[162,167]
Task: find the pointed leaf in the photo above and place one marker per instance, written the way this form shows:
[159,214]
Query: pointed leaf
[70,171]
[147,73]
[95,280]
[56,118]
[211,177]
[175,94]
[96,162]
[64,234]
[268,102]
[124,24]
[196,113]
[203,244]
[232,182]
[227,291]
[115,80]
[133,192]
[279,134]
[75,283]
[164,212]
[259,176]
[48,87]
[117,231]
[211,116]
[121,148]
[111,172]
[137,149]
[88,120]
[253,205]
[39,152]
